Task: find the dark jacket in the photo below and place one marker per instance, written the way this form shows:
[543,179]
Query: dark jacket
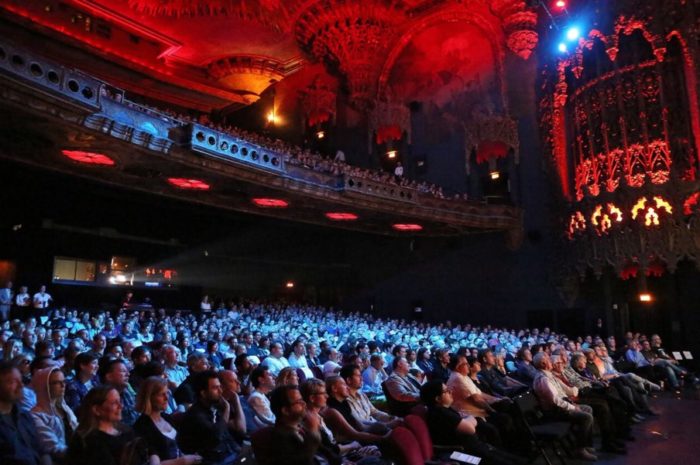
[19,443]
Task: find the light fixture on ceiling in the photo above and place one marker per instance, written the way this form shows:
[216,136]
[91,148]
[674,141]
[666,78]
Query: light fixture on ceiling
[266,202]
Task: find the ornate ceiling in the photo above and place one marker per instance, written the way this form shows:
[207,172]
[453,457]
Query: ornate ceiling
[215,53]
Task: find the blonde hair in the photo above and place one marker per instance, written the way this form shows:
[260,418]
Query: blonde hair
[284,375]
[149,387]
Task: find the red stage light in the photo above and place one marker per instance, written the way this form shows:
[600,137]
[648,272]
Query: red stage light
[88,157]
[192,184]
[560,4]
[270,203]
[407,227]
[338,216]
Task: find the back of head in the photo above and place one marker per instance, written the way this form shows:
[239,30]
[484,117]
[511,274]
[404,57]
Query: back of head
[258,373]
[279,398]
[430,391]
[347,371]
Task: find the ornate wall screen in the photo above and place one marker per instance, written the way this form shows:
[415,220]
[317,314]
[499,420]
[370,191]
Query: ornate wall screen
[620,120]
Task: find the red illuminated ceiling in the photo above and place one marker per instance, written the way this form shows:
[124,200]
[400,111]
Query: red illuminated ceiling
[191,184]
[270,203]
[232,50]
[89,158]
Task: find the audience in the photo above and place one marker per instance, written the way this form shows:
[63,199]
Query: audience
[56,360]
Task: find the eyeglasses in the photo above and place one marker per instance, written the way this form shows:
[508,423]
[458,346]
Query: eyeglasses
[320,393]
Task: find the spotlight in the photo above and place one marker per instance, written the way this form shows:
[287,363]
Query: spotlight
[391,154]
[289,285]
[645,297]
[494,175]
[562,47]
[320,134]
[573,33]
[560,4]
[271,117]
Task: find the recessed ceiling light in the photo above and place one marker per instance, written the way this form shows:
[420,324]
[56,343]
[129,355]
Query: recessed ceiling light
[341,216]
[90,158]
[266,202]
[407,227]
[192,184]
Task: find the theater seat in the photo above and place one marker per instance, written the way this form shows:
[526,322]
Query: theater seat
[261,441]
[429,449]
[542,433]
[405,447]
[397,408]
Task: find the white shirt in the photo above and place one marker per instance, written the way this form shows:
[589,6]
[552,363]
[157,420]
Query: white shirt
[41,299]
[398,171]
[275,365]
[300,362]
[22,300]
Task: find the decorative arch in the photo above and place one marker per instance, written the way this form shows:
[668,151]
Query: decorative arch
[493,34]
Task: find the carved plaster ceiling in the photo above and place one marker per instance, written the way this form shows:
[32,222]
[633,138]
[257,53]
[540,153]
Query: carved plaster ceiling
[232,50]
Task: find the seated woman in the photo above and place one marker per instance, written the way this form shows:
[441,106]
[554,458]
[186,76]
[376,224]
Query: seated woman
[55,421]
[449,427]
[287,376]
[154,428]
[101,438]
[314,393]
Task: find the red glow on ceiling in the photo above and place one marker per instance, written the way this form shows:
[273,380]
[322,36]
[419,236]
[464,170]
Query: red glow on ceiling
[407,227]
[340,216]
[270,203]
[192,184]
[90,158]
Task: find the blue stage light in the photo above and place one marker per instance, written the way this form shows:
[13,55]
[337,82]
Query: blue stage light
[573,33]
[562,47]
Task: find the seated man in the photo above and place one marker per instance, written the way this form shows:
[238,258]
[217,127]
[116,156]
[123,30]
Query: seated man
[448,427]
[19,443]
[498,382]
[185,394]
[368,417]
[402,388]
[290,444]
[554,397]
[231,390]
[205,426]
[115,373]
[373,376]
[275,361]
[664,363]
[525,371]
[262,382]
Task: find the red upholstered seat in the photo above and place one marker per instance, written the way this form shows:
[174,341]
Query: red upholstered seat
[420,430]
[405,447]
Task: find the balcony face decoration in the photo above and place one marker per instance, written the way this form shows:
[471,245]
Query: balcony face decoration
[621,124]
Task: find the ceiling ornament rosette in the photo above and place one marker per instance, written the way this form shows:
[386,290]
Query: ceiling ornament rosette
[318,103]
[352,35]
[519,24]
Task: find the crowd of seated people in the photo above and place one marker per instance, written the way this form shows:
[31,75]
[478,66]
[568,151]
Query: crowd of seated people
[293,154]
[182,388]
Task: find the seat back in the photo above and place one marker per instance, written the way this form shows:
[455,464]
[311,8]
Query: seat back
[318,372]
[420,430]
[420,410]
[261,442]
[528,406]
[301,375]
[405,447]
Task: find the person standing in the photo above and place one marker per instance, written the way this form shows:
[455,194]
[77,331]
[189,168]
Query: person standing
[22,303]
[41,300]
[6,295]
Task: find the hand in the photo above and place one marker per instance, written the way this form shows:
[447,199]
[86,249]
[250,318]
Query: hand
[192,459]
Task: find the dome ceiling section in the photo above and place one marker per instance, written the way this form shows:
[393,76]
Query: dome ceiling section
[353,35]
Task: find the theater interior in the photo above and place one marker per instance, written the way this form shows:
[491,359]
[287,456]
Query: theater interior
[548,152]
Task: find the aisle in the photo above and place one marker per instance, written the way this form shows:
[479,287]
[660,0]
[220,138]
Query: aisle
[672,438]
